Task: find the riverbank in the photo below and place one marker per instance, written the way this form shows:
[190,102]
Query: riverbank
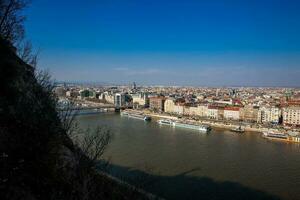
[158,116]
[223,125]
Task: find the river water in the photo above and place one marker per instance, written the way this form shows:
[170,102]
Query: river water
[178,163]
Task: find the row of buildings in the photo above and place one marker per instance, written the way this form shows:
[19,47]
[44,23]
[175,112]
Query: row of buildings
[288,115]
[259,105]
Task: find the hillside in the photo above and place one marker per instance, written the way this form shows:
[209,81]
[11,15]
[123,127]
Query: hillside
[38,159]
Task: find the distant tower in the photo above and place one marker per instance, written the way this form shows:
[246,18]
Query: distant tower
[134,86]
[217,92]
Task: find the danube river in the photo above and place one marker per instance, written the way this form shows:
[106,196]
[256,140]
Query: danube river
[178,163]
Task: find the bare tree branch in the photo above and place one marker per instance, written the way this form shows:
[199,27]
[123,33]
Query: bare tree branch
[11,20]
[27,54]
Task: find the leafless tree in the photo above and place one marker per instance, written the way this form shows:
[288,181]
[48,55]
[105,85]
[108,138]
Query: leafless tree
[43,77]
[68,114]
[93,142]
[27,54]
[11,20]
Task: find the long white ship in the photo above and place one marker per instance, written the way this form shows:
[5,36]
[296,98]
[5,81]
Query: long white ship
[165,122]
[136,116]
[273,135]
[202,128]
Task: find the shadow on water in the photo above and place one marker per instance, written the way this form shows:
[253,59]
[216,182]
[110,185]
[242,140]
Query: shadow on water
[185,186]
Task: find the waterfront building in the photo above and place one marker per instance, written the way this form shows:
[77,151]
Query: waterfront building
[249,113]
[190,110]
[179,108]
[220,112]
[169,105]
[269,114]
[108,97]
[212,112]
[202,110]
[231,113]
[140,100]
[291,116]
[157,103]
[101,96]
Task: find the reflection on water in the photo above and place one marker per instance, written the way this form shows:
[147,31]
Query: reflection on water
[182,160]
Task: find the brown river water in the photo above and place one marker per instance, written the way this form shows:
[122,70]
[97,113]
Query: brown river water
[178,163]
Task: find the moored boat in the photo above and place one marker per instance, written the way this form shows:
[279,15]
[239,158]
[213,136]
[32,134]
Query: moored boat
[124,113]
[165,122]
[273,135]
[136,116]
[199,127]
[238,129]
[202,128]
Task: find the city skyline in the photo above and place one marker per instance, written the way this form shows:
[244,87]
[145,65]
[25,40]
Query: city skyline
[150,99]
[249,43]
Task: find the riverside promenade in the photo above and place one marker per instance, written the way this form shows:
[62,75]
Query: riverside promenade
[213,123]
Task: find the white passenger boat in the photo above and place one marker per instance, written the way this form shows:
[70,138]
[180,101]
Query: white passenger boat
[202,128]
[123,113]
[273,135]
[165,122]
[136,116]
[238,129]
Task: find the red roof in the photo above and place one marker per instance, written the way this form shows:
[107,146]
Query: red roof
[212,107]
[232,108]
[237,101]
[294,102]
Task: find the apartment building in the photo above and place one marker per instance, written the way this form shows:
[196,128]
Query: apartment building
[291,116]
[157,103]
[232,113]
[269,114]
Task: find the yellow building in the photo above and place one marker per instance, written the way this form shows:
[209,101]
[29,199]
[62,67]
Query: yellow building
[169,105]
[140,100]
[268,114]
[291,116]
[173,107]
[179,108]
[212,112]
[249,113]
[157,104]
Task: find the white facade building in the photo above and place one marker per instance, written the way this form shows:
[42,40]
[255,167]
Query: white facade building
[291,116]
[268,114]
[232,113]
[140,100]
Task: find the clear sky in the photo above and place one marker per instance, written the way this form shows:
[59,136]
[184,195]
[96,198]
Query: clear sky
[169,42]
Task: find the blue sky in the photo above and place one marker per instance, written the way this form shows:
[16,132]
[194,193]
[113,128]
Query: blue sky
[169,42]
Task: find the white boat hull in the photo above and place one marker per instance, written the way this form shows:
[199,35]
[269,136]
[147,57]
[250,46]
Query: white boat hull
[201,128]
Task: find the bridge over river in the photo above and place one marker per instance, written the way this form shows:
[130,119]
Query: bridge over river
[93,109]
